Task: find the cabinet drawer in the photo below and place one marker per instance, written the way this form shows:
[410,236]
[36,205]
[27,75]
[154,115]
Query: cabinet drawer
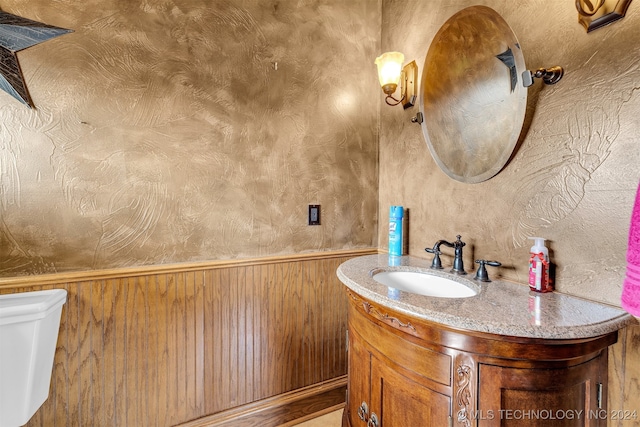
[428,363]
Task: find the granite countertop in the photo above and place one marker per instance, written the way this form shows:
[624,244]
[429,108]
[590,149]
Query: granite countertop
[500,307]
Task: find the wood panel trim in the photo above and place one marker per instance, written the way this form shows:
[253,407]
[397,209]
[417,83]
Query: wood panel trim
[118,273]
[282,410]
[162,349]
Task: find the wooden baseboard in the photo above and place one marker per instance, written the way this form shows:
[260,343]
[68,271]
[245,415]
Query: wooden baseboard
[308,417]
[283,410]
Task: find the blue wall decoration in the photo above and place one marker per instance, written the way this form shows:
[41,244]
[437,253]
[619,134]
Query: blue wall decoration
[16,34]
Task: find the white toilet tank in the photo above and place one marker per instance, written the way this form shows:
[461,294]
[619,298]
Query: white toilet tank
[29,324]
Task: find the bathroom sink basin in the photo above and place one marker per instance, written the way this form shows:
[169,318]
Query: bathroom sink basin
[424,284]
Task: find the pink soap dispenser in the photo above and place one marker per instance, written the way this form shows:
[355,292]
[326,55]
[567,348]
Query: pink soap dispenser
[539,267]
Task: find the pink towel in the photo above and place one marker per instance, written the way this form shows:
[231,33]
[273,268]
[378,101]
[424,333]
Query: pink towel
[631,287]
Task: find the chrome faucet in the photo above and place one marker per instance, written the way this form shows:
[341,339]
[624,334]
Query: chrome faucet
[458,264]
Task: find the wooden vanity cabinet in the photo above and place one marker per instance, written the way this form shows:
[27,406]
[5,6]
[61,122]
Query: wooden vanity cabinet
[377,383]
[526,397]
[407,372]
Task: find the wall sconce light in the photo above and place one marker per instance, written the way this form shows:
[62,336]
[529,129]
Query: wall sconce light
[593,14]
[391,73]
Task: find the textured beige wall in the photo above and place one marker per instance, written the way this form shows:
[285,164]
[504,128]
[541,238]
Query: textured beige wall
[185,130]
[574,175]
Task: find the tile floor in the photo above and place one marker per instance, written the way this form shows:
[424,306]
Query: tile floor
[332,419]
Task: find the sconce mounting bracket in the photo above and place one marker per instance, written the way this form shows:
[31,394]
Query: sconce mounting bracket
[549,76]
[408,83]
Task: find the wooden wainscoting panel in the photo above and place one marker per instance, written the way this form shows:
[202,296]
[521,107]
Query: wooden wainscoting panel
[629,409]
[616,375]
[334,304]
[624,371]
[166,347]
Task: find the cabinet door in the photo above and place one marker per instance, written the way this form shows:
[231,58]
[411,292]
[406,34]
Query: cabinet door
[400,402]
[520,397]
[358,386]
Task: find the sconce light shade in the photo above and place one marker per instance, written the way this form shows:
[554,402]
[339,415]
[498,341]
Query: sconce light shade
[391,73]
[389,70]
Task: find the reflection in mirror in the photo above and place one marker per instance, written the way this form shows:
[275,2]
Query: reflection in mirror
[473,101]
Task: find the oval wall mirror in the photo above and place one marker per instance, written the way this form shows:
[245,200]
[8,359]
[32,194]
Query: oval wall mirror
[472,97]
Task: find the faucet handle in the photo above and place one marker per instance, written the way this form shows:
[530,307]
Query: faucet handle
[436,264]
[481,274]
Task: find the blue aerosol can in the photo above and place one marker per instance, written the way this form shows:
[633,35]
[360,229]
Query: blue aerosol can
[396,213]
